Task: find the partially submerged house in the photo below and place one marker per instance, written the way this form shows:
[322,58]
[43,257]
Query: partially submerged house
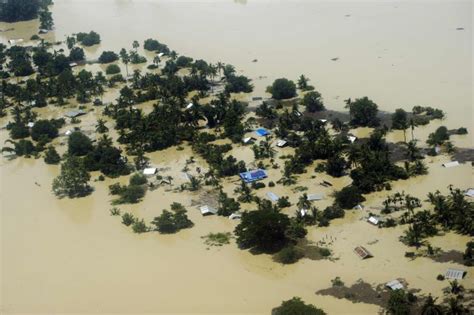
[469,192]
[235,216]
[189,106]
[451,164]
[272,196]
[394,285]
[454,274]
[281,143]
[373,220]
[362,252]
[351,138]
[262,132]
[248,140]
[75,113]
[150,171]
[252,176]
[314,197]
[206,210]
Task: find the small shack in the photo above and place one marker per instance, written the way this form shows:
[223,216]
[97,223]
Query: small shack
[248,140]
[373,220]
[394,285]
[30,124]
[455,274]
[150,171]
[362,252]
[351,138]
[272,196]
[262,132]
[281,143]
[314,197]
[75,113]
[68,132]
[235,216]
[303,212]
[252,176]
[469,192]
[189,106]
[73,64]
[451,164]
[206,210]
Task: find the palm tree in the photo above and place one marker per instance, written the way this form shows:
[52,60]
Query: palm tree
[125,58]
[100,127]
[430,308]
[412,126]
[455,307]
[220,66]
[135,45]
[156,60]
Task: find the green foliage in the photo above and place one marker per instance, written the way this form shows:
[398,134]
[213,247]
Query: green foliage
[106,158]
[336,166]
[46,19]
[73,180]
[51,156]
[19,10]
[154,45]
[398,303]
[438,137]
[349,197]
[139,226]
[108,57]
[112,69]
[169,222]
[79,144]
[400,119]
[227,205]
[44,129]
[88,39]
[138,179]
[238,84]
[264,230]
[115,211]
[337,282]
[289,255]
[77,54]
[128,219]
[283,89]
[127,194]
[461,131]
[217,239]
[363,112]
[313,102]
[469,254]
[283,202]
[296,306]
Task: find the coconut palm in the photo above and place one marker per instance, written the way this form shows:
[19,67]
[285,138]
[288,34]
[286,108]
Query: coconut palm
[431,308]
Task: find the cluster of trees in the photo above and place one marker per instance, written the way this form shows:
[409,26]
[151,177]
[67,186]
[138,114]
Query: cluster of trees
[21,10]
[131,193]
[73,181]
[172,221]
[88,39]
[296,306]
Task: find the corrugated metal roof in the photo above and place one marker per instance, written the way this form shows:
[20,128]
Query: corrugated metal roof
[362,252]
[394,285]
[451,164]
[454,274]
[272,196]
[312,197]
[206,210]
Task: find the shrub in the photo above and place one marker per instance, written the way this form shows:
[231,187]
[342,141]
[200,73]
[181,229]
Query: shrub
[289,255]
[88,39]
[461,131]
[128,219]
[108,57]
[79,144]
[76,54]
[440,277]
[112,69]
[139,226]
[337,282]
[325,252]
[138,179]
[217,239]
[271,184]
[51,156]
[44,128]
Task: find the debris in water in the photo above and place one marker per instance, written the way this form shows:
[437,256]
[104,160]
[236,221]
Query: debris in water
[335,59]
[255,60]
[460,29]
[347,15]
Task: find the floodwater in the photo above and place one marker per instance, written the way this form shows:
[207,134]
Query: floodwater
[72,256]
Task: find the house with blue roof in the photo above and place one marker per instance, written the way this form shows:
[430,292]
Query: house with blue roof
[262,132]
[253,176]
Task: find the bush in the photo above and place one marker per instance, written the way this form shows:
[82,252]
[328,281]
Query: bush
[154,45]
[271,184]
[139,226]
[138,179]
[325,252]
[169,222]
[440,277]
[128,219]
[238,84]
[217,239]
[76,54]
[333,212]
[88,39]
[461,131]
[108,57]
[130,194]
[283,89]
[112,69]
[349,197]
[364,112]
[289,255]
[51,156]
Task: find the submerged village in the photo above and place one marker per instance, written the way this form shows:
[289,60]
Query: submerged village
[281,177]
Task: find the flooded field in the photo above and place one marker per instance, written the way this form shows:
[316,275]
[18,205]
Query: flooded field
[71,256]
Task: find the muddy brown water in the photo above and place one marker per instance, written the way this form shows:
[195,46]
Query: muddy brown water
[71,256]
